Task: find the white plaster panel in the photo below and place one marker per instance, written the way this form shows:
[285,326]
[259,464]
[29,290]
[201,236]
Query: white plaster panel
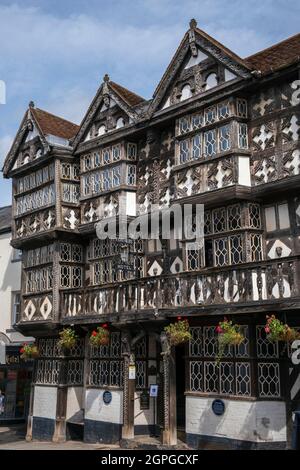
[45,399]
[131,204]
[244,171]
[97,410]
[74,401]
[243,420]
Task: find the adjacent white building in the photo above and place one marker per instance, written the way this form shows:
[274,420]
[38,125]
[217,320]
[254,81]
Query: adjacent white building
[15,375]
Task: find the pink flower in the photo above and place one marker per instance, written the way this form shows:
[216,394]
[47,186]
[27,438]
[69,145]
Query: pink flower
[219,329]
[267,329]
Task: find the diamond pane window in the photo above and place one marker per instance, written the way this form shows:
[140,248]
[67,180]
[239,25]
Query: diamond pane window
[219,217]
[243,136]
[236,249]
[234,217]
[223,110]
[210,115]
[106,155]
[224,138]
[131,175]
[131,151]
[116,152]
[241,106]
[197,121]
[116,175]
[196,146]
[106,180]
[256,247]
[221,251]
[184,151]
[210,143]
[184,125]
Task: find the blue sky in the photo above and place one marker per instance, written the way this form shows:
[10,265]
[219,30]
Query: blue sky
[55,52]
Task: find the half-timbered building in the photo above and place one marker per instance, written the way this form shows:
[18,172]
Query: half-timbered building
[222,131]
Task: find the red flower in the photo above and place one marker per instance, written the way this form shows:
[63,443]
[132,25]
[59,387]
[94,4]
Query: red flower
[105,325]
[179,318]
[94,333]
[219,329]
[22,350]
[267,329]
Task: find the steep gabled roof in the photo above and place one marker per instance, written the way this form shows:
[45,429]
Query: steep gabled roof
[54,125]
[206,37]
[124,98]
[46,124]
[276,57]
[194,39]
[132,99]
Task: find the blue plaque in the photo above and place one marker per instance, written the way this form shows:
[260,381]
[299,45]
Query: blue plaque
[218,407]
[107,397]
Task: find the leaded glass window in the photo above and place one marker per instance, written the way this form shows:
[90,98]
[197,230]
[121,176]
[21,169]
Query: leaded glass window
[224,138]
[243,136]
[196,146]
[210,143]
[184,151]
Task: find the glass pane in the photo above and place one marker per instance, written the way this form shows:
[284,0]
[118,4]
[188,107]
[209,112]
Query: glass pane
[270,218]
[283,215]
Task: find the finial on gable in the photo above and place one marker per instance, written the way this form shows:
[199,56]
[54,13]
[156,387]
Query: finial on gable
[193,23]
[192,39]
[106,78]
[31,104]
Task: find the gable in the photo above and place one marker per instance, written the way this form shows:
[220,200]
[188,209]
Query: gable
[200,63]
[29,136]
[113,107]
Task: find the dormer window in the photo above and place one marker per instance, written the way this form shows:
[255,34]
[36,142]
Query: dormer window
[186,92]
[120,123]
[211,81]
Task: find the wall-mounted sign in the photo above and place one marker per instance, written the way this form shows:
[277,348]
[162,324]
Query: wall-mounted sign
[145,400]
[153,390]
[107,397]
[218,407]
[131,372]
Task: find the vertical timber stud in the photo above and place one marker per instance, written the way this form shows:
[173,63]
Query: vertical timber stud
[61,405]
[169,436]
[30,411]
[128,391]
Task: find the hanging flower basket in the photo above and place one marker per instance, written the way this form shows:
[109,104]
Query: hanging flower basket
[278,331]
[229,334]
[29,351]
[178,333]
[67,339]
[100,336]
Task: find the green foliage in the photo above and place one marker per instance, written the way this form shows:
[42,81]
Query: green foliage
[100,337]
[67,338]
[229,334]
[29,351]
[178,332]
[278,331]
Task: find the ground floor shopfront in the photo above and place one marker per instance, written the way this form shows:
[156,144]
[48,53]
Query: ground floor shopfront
[245,400]
[15,382]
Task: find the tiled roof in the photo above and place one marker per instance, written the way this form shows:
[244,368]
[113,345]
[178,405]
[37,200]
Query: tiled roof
[128,96]
[277,56]
[5,219]
[54,125]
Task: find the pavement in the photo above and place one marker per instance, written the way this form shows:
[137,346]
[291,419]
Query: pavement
[12,437]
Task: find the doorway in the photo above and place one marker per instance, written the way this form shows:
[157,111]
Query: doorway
[180,386]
